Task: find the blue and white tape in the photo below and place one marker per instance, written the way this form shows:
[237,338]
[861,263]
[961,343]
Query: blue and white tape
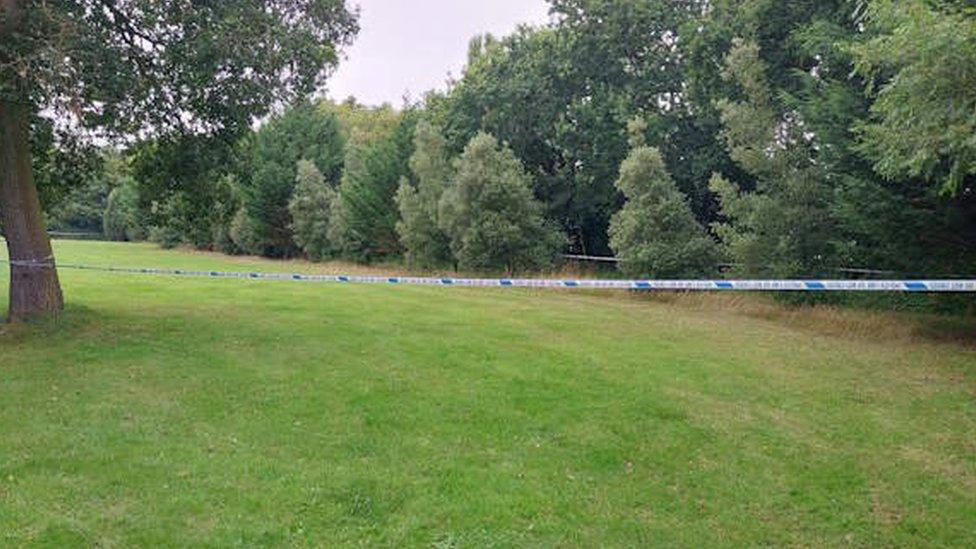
[942,286]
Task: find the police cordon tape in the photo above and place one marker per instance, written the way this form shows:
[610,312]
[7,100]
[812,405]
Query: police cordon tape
[942,286]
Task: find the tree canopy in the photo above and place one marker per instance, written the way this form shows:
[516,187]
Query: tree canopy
[132,67]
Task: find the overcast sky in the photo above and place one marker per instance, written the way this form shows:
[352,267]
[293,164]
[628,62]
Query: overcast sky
[410,46]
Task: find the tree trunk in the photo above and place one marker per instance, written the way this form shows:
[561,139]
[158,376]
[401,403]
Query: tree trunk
[34,287]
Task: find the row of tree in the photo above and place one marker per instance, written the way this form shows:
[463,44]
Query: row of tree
[325,180]
[787,139]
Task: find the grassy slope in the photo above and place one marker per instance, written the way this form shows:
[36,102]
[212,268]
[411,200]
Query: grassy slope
[176,412]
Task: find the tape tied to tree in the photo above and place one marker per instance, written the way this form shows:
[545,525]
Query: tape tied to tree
[45,263]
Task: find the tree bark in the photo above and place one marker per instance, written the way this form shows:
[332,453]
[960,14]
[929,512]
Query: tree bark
[34,287]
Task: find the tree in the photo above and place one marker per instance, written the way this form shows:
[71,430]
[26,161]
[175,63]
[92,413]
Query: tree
[304,132]
[310,208]
[173,171]
[135,67]
[783,228]
[120,220]
[425,242]
[924,113]
[818,88]
[363,125]
[364,219]
[224,202]
[560,96]
[628,61]
[656,235]
[490,215]
[243,234]
[82,206]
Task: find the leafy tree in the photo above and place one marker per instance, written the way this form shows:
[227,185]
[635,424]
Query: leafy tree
[302,132]
[82,206]
[243,234]
[425,242]
[61,163]
[310,208]
[517,89]
[362,125]
[225,205]
[656,235]
[363,223]
[783,228]
[561,96]
[120,220]
[183,222]
[628,61]
[809,49]
[139,67]
[490,215]
[924,112]
[188,169]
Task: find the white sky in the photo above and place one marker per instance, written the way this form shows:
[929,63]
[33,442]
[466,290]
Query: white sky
[411,46]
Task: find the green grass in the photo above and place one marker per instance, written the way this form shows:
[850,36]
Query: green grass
[185,412]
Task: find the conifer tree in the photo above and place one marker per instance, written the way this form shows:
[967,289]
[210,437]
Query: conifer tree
[490,215]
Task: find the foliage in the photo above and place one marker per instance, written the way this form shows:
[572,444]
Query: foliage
[922,60]
[421,236]
[490,215]
[362,125]
[302,132]
[191,169]
[561,97]
[132,65]
[656,235]
[310,208]
[176,222]
[243,234]
[783,228]
[80,209]
[363,223]
[139,68]
[226,204]
[813,92]
[68,173]
[121,219]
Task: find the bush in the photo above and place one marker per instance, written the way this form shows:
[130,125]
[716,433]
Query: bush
[182,219]
[222,241]
[490,215]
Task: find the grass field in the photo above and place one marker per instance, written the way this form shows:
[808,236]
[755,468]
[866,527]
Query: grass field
[195,412]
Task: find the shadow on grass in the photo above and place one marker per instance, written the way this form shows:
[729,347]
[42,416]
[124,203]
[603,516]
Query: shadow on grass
[75,320]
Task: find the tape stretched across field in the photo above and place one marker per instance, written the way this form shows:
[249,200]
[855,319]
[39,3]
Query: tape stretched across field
[943,286]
